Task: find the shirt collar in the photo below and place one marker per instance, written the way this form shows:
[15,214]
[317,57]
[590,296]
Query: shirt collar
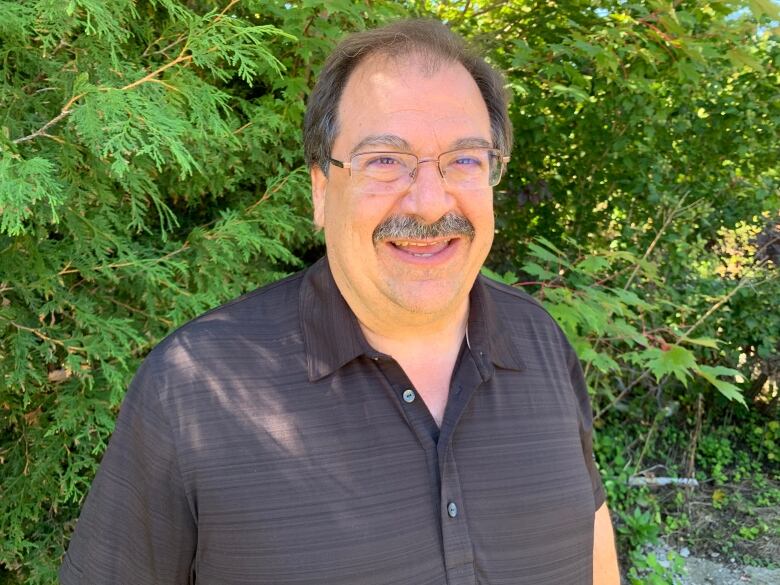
[332,335]
[488,333]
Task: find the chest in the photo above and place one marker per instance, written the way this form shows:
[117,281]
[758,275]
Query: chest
[344,483]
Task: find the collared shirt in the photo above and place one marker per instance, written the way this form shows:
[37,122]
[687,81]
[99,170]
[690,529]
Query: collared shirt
[267,443]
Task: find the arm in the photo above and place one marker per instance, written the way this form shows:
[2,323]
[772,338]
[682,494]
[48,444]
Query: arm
[605,565]
[136,525]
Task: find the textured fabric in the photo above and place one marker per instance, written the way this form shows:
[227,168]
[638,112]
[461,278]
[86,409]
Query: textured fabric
[265,442]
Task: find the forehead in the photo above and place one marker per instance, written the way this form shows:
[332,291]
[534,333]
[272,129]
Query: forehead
[427,104]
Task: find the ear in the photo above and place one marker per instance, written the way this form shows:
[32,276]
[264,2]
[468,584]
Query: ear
[319,184]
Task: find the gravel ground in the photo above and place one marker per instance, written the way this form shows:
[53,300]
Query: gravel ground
[719,571]
[706,572]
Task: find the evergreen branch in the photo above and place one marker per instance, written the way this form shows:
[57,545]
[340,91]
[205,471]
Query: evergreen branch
[244,127]
[182,58]
[166,322]
[69,270]
[167,85]
[44,337]
[162,51]
[225,10]
[275,189]
[42,131]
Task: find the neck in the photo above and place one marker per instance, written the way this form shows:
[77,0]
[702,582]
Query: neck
[424,338]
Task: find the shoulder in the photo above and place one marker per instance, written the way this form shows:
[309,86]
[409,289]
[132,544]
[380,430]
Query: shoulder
[525,320]
[231,333]
[513,302]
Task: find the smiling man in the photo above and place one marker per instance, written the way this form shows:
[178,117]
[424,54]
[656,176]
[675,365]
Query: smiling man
[387,416]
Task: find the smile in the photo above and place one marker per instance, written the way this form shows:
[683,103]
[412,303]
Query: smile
[424,252]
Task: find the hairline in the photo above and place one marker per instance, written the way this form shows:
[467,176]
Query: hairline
[428,61]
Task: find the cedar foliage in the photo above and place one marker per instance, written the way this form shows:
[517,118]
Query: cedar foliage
[150,169]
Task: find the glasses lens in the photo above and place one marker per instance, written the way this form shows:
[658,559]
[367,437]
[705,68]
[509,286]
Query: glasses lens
[384,172]
[471,168]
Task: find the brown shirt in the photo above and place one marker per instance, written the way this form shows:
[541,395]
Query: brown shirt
[266,443]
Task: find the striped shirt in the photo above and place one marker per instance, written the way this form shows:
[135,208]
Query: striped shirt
[267,443]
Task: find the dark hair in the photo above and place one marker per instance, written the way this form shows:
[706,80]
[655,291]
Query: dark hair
[429,39]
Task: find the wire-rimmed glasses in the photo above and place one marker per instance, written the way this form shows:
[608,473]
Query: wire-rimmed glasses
[394,172]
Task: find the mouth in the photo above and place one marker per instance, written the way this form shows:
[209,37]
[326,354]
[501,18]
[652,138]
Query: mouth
[424,253]
[421,248]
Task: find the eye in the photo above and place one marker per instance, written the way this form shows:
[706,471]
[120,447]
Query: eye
[467,161]
[382,161]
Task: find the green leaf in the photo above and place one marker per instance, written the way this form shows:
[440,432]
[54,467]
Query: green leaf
[676,361]
[592,265]
[579,94]
[764,8]
[741,58]
[546,255]
[728,389]
[537,270]
[703,341]
[565,315]
[508,277]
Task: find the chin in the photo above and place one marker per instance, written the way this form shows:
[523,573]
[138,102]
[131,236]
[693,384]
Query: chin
[427,297]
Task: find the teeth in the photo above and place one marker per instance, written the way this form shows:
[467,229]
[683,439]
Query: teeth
[418,244]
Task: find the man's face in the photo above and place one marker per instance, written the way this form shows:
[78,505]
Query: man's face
[392,105]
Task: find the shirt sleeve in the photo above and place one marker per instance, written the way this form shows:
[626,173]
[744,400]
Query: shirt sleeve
[585,423]
[136,525]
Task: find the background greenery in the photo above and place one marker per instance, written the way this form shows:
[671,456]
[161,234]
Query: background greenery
[150,168]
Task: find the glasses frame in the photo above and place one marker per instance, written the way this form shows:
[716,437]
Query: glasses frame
[503,160]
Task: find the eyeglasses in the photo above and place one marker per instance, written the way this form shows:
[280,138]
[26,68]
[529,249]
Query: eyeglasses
[394,172]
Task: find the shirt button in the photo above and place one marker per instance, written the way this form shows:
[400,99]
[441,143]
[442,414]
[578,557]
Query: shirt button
[452,510]
[409,395]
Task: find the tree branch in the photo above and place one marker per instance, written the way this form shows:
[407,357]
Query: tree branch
[42,131]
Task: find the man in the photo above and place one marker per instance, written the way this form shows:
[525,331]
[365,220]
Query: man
[386,416]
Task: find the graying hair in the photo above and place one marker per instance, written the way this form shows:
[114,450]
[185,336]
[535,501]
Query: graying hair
[429,39]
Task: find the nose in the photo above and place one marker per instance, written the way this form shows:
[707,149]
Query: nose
[428,197]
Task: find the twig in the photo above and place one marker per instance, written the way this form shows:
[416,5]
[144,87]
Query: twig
[694,441]
[225,10]
[650,433]
[489,8]
[740,285]
[622,394]
[673,214]
[69,270]
[64,113]
[182,58]
[44,337]
[170,46]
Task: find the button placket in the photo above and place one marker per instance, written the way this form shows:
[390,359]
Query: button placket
[458,549]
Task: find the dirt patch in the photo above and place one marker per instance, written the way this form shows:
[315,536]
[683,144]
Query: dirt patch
[734,521]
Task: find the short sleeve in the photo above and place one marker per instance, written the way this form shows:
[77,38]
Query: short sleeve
[136,525]
[585,423]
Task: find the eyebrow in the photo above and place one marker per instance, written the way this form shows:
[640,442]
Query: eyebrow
[395,141]
[472,142]
[381,140]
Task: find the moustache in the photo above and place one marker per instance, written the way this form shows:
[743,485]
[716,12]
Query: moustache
[410,227]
